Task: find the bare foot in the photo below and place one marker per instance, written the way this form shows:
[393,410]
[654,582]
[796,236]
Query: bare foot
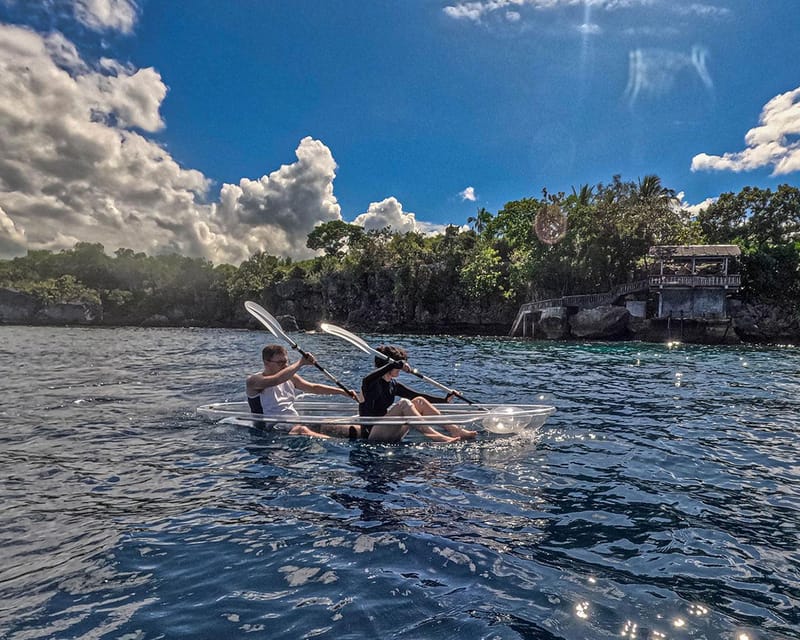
[440,437]
[460,433]
[302,430]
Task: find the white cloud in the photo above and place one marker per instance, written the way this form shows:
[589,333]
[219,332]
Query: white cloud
[694,209]
[589,28]
[74,166]
[101,15]
[774,143]
[468,194]
[387,213]
[476,10]
[663,12]
[12,239]
[277,212]
[702,10]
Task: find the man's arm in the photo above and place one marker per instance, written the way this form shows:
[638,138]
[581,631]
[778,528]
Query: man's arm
[322,389]
[257,382]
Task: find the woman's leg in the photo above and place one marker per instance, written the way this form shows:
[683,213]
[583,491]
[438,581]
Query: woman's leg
[425,408]
[405,407]
[383,433]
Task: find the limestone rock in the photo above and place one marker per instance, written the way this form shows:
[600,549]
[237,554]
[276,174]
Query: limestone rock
[765,322]
[17,307]
[601,323]
[553,323]
[288,323]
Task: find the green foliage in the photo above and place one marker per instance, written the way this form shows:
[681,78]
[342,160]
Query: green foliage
[253,276]
[753,217]
[772,273]
[61,289]
[766,225]
[606,233]
[482,275]
[334,237]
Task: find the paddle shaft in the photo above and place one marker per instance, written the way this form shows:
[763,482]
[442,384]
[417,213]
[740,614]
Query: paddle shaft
[361,344]
[439,385]
[330,376]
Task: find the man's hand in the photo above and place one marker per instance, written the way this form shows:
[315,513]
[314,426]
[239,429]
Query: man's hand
[307,359]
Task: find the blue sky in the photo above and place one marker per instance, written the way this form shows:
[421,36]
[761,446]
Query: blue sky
[218,129]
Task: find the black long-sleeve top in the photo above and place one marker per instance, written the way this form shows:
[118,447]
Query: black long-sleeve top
[379,394]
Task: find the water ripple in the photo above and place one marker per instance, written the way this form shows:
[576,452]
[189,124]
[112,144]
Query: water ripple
[660,502]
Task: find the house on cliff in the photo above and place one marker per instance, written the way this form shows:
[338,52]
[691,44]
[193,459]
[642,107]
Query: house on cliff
[693,281]
[685,296]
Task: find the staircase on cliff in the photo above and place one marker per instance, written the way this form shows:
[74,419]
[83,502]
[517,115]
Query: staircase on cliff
[586,301]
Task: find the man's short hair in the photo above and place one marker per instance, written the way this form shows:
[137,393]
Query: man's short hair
[272,350]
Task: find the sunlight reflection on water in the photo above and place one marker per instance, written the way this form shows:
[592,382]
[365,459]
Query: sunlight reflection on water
[660,501]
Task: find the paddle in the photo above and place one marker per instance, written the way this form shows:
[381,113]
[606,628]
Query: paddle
[358,342]
[264,317]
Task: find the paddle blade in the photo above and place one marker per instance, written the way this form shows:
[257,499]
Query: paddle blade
[266,319]
[350,337]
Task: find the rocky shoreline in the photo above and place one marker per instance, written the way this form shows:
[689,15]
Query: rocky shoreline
[748,322]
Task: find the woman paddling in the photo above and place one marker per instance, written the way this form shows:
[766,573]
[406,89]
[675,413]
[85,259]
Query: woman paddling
[380,388]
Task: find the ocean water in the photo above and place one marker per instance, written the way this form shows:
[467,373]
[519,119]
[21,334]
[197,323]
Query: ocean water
[661,501]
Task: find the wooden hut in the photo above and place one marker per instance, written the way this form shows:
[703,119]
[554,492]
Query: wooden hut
[694,281]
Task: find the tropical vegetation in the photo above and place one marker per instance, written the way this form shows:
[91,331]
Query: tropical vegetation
[585,241]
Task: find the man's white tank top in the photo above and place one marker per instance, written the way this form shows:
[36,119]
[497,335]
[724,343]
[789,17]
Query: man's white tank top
[278,399]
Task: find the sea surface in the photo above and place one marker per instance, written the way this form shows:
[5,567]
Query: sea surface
[661,500]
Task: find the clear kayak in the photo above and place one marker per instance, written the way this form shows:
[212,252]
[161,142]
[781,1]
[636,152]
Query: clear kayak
[495,418]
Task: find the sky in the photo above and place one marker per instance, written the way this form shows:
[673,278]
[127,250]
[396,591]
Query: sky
[218,129]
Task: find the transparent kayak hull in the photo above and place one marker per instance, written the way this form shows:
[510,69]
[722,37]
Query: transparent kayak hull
[495,418]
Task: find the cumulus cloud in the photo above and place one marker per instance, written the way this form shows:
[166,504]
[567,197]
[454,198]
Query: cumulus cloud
[468,194]
[76,165]
[387,213]
[278,211]
[12,239]
[693,209]
[102,15]
[774,143]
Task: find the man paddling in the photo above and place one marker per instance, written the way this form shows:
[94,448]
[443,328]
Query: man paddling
[380,388]
[272,391]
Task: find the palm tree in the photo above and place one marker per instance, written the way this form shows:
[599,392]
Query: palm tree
[584,196]
[480,220]
[651,191]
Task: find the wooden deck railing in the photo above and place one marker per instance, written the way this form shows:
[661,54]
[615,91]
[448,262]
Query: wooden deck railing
[729,281]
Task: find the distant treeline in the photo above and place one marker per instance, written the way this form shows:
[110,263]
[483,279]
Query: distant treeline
[560,244]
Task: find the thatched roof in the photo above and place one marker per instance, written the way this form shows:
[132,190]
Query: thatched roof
[695,251]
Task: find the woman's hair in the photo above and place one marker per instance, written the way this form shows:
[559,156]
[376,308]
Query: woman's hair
[395,353]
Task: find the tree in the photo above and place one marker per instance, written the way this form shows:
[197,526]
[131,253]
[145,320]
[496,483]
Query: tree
[334,237]
[754,217]
[480,220]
